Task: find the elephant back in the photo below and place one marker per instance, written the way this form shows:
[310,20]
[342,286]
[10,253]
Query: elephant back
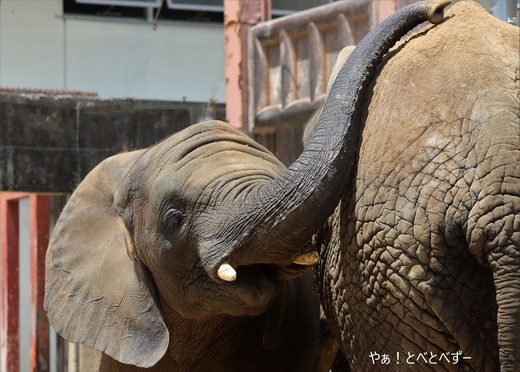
[441,117]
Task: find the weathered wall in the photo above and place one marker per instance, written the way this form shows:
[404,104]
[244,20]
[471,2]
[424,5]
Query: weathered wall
[49,143]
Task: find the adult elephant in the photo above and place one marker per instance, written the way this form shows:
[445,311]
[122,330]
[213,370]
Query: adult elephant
[420,264]
[179,256]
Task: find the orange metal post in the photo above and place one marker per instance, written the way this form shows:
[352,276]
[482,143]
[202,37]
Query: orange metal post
[239,16]
[39,239]
[9,310]
[385,8]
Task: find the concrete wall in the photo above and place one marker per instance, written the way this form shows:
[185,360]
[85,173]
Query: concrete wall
[50,143]
[42,48]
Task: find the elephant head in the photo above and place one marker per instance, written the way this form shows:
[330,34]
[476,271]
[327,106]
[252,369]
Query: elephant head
[207,221]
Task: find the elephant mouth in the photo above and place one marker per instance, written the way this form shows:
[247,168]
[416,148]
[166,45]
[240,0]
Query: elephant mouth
[255,287]
[289,272]
[252,279]
[283,269]
[258,284]
[277,272]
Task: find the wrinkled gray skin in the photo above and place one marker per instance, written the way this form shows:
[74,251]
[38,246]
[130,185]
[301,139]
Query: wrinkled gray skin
[133,263]
[340,62]
[422,254]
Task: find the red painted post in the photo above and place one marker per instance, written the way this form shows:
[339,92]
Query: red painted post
[385,9]
[239,16]
[9,310]
[39,239]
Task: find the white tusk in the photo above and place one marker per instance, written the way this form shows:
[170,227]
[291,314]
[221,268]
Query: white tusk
[307,259]
[226,272]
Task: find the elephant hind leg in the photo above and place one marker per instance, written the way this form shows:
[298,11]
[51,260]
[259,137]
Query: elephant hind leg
[467,309]
[505,263]
[495,240]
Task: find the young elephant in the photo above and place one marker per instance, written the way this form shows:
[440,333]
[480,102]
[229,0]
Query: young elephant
[124,270]
[179,256]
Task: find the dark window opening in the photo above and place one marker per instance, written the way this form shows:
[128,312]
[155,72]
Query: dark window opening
[190,15]
[70,7]
[185,10]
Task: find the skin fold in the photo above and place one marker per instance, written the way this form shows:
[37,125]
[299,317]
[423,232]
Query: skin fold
[422,255]
[194,254]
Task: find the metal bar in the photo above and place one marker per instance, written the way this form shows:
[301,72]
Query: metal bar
[39,239]
[9,309]
[322,14]
[132,3]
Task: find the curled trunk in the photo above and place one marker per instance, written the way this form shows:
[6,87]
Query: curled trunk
[285,212]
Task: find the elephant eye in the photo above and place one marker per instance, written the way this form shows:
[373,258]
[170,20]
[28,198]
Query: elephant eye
[173,218]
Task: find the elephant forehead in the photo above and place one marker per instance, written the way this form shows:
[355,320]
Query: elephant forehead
[226,163]
[217,165]
[200,155]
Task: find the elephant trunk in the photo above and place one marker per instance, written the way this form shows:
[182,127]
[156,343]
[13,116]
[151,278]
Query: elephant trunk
[283,213]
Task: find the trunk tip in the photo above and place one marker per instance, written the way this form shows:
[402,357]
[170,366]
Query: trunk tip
[435,10]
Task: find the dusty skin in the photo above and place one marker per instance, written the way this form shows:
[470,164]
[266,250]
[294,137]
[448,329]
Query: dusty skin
[423,253]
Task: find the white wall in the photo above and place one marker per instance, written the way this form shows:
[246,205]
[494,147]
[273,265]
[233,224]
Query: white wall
[31,44]
[39,48]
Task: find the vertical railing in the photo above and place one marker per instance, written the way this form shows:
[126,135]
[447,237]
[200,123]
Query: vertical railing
[10,285]
[39,239]
[9,310]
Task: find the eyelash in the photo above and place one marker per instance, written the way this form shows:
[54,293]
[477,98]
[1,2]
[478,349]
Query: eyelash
[173,218]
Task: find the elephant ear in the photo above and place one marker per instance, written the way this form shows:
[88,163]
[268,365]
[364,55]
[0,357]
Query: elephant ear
[95,292]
